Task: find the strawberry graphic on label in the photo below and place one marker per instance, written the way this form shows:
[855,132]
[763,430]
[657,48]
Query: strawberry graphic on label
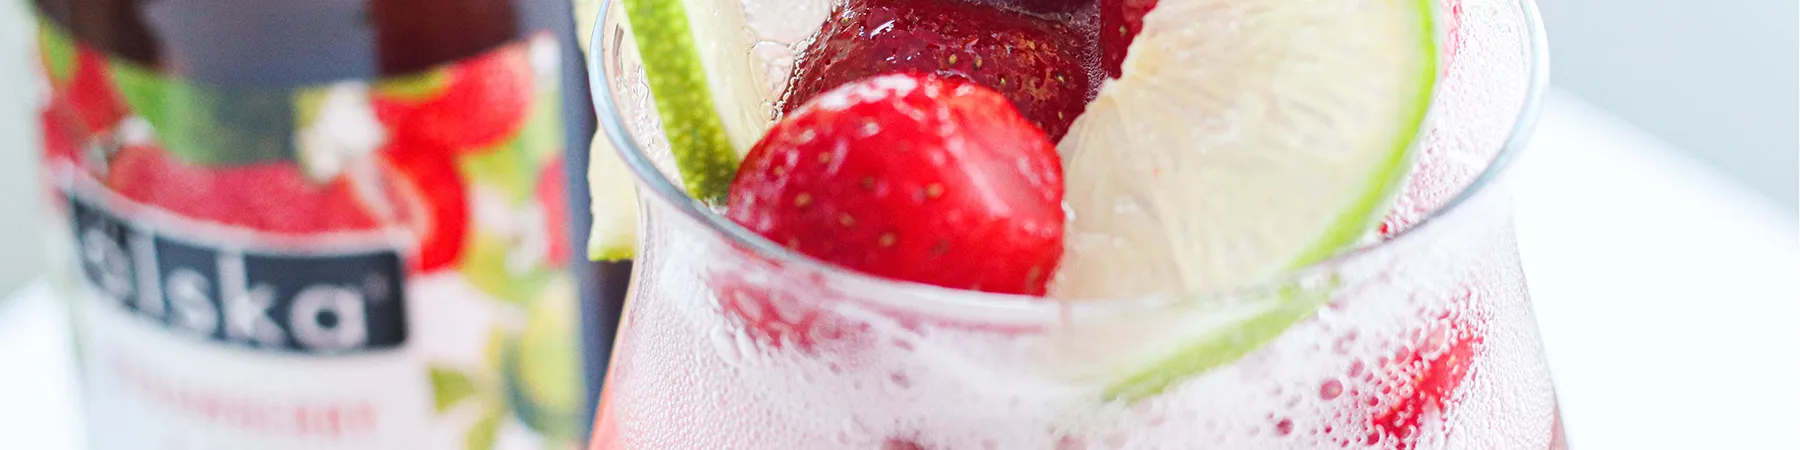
[471,106]
[59,128]
[271,197]
[83,103]
[552,187]
[91,94]
[436,196]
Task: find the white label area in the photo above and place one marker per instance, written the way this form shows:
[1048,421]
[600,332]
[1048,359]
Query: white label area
[188,345]
[148,388]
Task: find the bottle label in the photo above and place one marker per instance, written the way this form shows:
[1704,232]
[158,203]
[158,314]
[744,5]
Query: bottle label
[361,264]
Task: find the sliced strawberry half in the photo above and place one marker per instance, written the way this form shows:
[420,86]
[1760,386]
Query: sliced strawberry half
[910,177]
[1039,64]
[435,197]
[471,106]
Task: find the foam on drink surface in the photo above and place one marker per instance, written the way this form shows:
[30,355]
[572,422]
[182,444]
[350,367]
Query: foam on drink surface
[690,375]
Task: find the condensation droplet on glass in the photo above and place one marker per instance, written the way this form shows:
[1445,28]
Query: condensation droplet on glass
[1331,389]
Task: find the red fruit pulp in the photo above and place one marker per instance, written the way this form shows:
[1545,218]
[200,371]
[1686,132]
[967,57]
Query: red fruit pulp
[1041,64]
[1425,377]
[910,177]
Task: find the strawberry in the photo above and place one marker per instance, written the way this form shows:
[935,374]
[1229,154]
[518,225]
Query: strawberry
[471,106]
[912,177]
[1040,64]
[1120,22]
[1045,6]
[1423,378]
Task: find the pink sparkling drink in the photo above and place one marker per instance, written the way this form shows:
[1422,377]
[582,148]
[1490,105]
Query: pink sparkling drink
[1427,338]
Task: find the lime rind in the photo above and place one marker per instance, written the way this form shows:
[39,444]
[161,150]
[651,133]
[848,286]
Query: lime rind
[612,196]
[1171,350]
[1242,140]
[1218,347]
[614,202]
[1368,211]
[677,78]
[711,111]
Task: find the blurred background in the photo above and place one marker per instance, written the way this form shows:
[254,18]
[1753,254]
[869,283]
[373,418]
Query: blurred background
[1716,79]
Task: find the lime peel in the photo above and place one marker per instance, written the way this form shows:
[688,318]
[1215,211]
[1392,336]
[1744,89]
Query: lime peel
[702,150]
[1218,348]
[1368,211]
[1202,179]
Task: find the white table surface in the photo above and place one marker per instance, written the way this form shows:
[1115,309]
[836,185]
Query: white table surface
[1668,296]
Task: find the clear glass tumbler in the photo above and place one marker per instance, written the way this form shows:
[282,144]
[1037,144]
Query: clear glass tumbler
[1425,337]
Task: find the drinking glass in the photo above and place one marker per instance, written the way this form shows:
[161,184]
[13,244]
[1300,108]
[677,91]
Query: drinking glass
[1422,337]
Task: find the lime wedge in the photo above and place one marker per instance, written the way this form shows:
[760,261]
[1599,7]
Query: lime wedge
[614,204]
[697,63]
[611,192]
[1243,139]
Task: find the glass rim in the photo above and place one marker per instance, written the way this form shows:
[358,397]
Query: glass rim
[652,179]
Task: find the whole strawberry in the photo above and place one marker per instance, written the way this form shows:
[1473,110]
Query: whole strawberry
[911,177]
[1120,22]
[1040,64]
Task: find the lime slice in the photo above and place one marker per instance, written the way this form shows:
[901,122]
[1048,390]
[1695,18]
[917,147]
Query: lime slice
[614,231]
[697,63]
[1243,139]
[614,206]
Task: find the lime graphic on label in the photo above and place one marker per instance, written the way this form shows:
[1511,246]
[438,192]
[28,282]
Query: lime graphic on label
[542,366]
